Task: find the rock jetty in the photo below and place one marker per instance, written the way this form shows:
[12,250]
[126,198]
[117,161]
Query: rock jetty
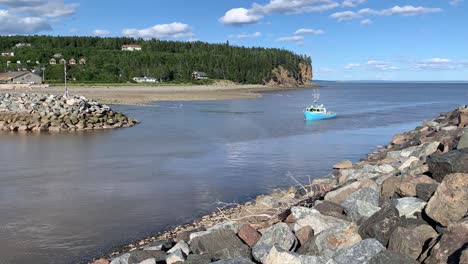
[36,112]
[406,203]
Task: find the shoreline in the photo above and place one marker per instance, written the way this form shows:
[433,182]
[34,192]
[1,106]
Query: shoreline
[393,173]
[141,95]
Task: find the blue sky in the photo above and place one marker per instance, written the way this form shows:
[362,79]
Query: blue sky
[347,39]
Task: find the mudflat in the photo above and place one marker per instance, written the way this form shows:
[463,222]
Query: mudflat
[139,95]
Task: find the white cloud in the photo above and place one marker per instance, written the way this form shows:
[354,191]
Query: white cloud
[241,16]
[352,3]
[352,65]
[298,39]
[32,16]
[439,64]
[102,32]
[11,24]
[243,36]
[366,22]
[455,2]
[345,15]
[407,10]
[309,31]
[174,30]
[381,65]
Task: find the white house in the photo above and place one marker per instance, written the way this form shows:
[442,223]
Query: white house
[8,54]
[145,79]
[131,47]
[197,75]
[20,45]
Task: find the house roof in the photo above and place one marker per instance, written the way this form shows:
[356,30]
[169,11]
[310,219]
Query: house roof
[200,73]
[4,76]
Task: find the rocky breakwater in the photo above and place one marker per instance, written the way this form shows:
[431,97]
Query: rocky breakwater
[406,203]
[35,112]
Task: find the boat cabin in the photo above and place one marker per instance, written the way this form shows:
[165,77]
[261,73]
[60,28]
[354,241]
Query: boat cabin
[317,109]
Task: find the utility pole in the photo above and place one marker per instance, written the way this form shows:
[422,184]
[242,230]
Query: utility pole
[43,68]
[65,72]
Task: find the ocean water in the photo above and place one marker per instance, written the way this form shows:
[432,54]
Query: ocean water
[65,197]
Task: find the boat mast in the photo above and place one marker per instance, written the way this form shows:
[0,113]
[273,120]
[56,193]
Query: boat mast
[316,96]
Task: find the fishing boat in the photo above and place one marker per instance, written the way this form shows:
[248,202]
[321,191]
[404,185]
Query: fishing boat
[317,111]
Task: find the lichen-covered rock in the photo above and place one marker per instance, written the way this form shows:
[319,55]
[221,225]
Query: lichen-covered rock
[449,203]
[221,244]
[330,241]
[361,204]
[339,195]
[450,247]
[359,253]
[304,234]
[381,225]
[318,222]
[455,161]
[279,235]
[408,184]
[410,242]
[390,257]
[281,256]
[409,206]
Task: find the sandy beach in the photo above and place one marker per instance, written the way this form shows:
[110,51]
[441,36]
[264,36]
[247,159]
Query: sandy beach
[139,95]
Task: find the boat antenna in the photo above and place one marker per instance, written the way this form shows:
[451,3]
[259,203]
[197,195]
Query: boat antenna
[316,95]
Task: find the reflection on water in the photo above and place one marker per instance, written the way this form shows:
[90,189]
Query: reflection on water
[65,196]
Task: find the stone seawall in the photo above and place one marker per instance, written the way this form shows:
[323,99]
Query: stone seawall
[54,113]
[406,203]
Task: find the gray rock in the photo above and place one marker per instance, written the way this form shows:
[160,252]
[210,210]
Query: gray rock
[424,191]
[182,246]
[410,242]
[455,161]
[359,253]
[235,261]
[279,235]
[390,257]
[122,259]
[161,245]
[221,244]
[176,256]
[328,242]
[138,256]
[280,256]
[198,259]
[230,226]
[361,204]
[317,222]
[409,206]
[381,225]
[330,209]
[463,142]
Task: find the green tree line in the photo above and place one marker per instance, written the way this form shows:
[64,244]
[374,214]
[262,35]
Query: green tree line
[165,60]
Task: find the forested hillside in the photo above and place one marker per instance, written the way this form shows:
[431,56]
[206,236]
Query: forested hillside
[165,60]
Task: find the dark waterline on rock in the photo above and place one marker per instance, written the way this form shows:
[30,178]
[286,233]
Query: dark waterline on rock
[67,196]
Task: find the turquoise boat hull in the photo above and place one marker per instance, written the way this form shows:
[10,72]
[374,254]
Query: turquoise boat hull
[318,116]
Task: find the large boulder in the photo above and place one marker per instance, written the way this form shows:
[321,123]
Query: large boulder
[359,253]
[317,222]
[305,234]
[409,206]
[450,247]
[338,196]
[390,257]
[141,255]
[381,225]
[463,118]
[407,187]
[424,191]
[330,241]
[410,242]
[280,256]
[249,235]
[463,142]
[330,209]
[221,244]
[346,164]
[361,204]
[389,187]
[449,203]
[279,235]
[455,161]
